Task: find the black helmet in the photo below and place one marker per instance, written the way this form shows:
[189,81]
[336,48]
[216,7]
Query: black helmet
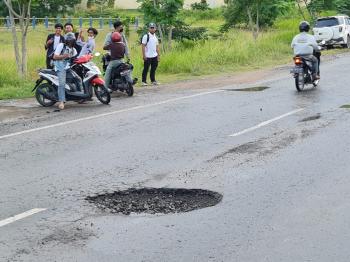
[69,38]
[304,26]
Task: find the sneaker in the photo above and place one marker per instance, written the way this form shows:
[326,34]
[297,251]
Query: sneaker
[155,83]
[144,84]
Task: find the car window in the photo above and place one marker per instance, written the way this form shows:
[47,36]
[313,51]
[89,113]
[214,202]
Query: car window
[347,21]
[341,20]
[326,22]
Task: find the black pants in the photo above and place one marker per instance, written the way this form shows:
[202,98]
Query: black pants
[48,63]
[153,62]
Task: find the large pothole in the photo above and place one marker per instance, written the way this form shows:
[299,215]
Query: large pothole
[155,200]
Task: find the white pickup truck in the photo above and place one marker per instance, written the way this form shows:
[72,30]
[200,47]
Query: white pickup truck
[333,30]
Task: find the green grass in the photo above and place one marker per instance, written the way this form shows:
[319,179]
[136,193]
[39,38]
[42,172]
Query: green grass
[233,51]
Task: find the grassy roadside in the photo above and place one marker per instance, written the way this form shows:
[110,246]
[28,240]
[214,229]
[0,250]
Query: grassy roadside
[233,51]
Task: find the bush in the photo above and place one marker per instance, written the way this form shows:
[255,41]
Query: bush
[202,5]
[189,33]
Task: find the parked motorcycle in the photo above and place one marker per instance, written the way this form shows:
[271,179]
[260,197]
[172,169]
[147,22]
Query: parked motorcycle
[118,77]
[82,78]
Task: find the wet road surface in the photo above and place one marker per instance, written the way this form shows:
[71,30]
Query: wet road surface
[279,158]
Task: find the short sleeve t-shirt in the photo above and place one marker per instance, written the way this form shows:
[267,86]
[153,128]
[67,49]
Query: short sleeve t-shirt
[56,42]
[60,50]
[151,46]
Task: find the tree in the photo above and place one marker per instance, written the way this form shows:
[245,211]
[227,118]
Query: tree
[253,13]
[53,7]
[22,13]
[315,7]
[164,13]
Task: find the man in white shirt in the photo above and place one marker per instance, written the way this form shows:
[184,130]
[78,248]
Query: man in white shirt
[63,53]
[52,42]
[151,54]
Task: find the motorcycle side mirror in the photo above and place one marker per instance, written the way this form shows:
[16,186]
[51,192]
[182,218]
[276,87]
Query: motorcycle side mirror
[97,54]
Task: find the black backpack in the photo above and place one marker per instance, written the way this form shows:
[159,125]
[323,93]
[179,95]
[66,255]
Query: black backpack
[147,39]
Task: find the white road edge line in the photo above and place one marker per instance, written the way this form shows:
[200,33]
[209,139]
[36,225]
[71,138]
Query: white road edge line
[266,123]
[21,216]
[108,114]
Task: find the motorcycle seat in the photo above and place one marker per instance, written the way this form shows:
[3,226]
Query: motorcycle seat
[48,71]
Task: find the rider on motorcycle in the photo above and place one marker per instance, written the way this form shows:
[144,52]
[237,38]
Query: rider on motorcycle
[117,49]
[305,45]
[63,53]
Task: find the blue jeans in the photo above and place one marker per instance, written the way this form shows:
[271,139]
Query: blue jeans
[61,85]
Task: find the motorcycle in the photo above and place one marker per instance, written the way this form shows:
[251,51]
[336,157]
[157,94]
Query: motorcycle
[302,71]
[118,76]
[83,77]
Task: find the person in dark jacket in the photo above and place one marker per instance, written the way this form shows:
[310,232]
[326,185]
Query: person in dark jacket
[52,42]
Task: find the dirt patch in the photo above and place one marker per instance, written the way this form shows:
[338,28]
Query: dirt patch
[311,118]
[250,89]
[155,200]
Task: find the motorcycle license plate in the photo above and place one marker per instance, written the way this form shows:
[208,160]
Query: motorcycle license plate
[297,70]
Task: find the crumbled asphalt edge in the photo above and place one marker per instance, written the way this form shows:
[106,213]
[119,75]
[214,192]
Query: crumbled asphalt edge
[155,200]
[250,89]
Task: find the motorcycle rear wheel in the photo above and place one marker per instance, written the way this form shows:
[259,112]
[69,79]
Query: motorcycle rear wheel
[300,82]
[102,94]
[130,90]
[42,89]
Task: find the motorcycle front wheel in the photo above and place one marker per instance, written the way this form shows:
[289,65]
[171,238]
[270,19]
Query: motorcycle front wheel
[40,92]
[299,82]
[130,90]
[102,94]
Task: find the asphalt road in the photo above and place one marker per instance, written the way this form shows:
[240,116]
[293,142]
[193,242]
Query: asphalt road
[280,159]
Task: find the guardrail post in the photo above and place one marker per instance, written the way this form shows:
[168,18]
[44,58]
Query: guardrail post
[69,19]
[8,22]
[101,22]
[90,21]
[58,19]
[46,22]
[80,22]
[136,23]
[110,23]
[33,22]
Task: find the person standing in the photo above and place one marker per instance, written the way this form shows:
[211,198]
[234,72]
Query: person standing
[151,54]
[69,28]
[88,46]
[118,27]
[52,42]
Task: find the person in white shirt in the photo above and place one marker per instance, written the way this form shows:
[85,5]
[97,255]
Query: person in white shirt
[88,46]
[52,42]
[151,54]
[63,53]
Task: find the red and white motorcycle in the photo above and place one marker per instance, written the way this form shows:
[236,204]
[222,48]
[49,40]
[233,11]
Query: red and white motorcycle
[83,76]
